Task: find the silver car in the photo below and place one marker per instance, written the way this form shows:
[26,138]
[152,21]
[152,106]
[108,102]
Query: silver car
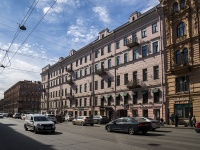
[51,117]
[83,120]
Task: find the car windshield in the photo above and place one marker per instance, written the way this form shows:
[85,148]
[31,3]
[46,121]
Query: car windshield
[150,118]
[40,119]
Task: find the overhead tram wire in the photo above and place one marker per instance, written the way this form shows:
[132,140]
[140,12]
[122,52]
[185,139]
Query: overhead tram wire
[23,70]
[31,33]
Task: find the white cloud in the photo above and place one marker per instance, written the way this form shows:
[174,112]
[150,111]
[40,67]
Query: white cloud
[150,5]
[102,13]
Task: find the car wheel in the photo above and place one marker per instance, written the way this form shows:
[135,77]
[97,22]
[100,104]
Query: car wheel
[92,124]
[25,127]
[108,129]
[73,122]
[197,131]
[131,131]
[53,131]
[82,124]
[35,130]
[144,132]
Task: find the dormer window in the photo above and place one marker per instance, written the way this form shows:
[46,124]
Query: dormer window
[133,18]
[183,5]
[175,7]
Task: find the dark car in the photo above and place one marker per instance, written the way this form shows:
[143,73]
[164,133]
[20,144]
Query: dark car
[197,127]
[101,119]
[128,124]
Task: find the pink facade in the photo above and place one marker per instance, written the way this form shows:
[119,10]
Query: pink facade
[119,74]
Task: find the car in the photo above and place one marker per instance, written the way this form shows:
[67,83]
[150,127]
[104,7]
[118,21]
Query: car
[1,115]
[154,123]
[5,114]
[60,118]
[52,117]
[9,115]
[23,116]
[101,119]
[39,123]
[197,127]
[17,116]
[128,124]
[83,120]
[69,118]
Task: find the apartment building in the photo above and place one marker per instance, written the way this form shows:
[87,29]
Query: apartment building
[23,97]
[182,59]
[119,74]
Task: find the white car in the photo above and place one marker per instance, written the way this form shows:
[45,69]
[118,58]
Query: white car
[39,123]
[1,115]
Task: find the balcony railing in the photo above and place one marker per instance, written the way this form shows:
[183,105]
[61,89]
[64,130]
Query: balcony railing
[69,81]
[132,42]
[101,71]
[133,84]
[181,67]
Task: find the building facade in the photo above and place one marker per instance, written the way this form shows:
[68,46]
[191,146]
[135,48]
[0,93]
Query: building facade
[119,74]
[182,57]
[23,97]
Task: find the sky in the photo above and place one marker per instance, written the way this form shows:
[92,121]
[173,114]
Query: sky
[53,28]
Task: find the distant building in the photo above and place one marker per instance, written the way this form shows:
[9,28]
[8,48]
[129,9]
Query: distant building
[119,74]
[23,97]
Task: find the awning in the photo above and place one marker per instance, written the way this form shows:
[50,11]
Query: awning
[125,94]
[135,93]
[155,90]
[108,96]
[144,92]
[101,96]
[117,95]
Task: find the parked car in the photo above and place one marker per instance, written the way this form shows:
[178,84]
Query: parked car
[9,115]
[101,119]
[154,123]
[197,127]
[69,118]
[5,114]
[51,117]
[60,118]
[17,116]
[83,120]
[1,115]
[38,123]
[128,124]
[23,116]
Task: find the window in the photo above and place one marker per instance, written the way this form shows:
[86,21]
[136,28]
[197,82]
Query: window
[109,101]
[109,63]
[134,76]
[95,101]
[135,97]
[85,71]
[183,5]
[96,53]
[102,51]
[85,87]
[125,78]
[102,36]
[102,84]
[125,57]
[143,33]
[135,113]
[175,7]
[182,84]
[96,85]
[156,97]
[76,89]
[90,86]
[134,37]
[118,80]
[77,63]
[76,74]
[81,74]
[102,65]
[181,29]
[154,28]
[90,70]
[118,60]
[145,113]
[85,59]
[85,101]
[118,101]
[125,41]
[109,82]
[80,102]
[155,47]
[144,51]
[90,57]
[144,72]
[135,54]
[81,60]
[185,56]
[102,102]
[117,44]
[156,72]
[90,101]
[96,67]
[178,57]
[109,48]
[145,96]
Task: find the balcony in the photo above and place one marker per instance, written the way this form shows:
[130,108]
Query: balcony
[69,69]
[133,84]
[70,82]
[132,42]
[180,68]
[100,71]
[70,96]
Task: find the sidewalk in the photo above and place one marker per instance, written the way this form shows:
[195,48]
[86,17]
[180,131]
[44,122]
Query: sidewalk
[179,126]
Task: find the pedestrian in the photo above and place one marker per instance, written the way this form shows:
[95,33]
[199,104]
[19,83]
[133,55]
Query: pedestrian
[176,120]
[194,121]
[172,119]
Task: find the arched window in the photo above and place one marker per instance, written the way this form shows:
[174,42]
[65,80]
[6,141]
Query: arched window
[185,55]
[181,29]
[175,7]
[183,4]
[178,57]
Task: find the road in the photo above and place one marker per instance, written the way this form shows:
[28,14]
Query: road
[73,137]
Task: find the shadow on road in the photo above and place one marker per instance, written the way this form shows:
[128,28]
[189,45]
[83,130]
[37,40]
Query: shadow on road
[10,140]
[161,131]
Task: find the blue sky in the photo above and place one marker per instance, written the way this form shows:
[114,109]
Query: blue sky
[69,24]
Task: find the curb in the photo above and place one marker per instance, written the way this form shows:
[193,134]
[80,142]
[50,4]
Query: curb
[179,127]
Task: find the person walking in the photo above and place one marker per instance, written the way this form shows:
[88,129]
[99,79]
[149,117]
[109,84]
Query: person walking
[194,121]
[176,120]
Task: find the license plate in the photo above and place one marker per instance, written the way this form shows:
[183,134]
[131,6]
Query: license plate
[47,127]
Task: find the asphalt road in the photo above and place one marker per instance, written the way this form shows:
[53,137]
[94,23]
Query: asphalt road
[74,137]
